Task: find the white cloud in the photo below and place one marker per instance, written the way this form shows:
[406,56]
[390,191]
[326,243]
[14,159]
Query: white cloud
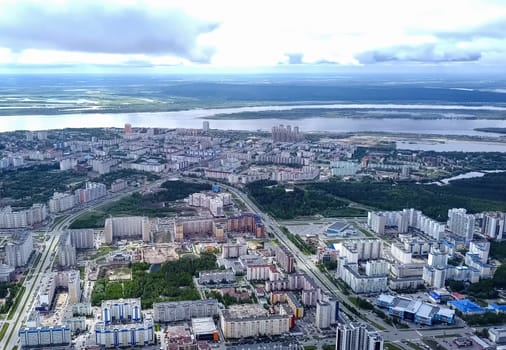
[251,33]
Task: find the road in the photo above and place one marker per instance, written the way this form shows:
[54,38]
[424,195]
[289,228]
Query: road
[305,264]
[48,255]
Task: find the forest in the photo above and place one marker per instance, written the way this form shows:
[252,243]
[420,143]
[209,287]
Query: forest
[487,193]
[285,203]
[172,282]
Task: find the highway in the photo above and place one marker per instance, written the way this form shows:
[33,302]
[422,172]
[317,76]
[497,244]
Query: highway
[304,263]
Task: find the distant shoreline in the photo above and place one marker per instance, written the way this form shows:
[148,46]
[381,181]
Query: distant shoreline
[492,130]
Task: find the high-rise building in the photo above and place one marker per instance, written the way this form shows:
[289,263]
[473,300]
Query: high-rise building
[66,252]
[17,249]
[128,128]
[127,227]
[357,336]
[242,321]
[45,337]
[285,258]
[247,222]
[494,225]
[81,238]
[61,202]
[437,258]
[461,223]
[121,311]
[205,126]
[323,315]
[23,218]
[286,134]
[125,335]
[67,163]
[184,310]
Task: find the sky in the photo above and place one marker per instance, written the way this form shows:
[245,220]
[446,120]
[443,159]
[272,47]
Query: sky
[251,35]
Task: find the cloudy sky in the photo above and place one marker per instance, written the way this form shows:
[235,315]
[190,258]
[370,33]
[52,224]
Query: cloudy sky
[249,35]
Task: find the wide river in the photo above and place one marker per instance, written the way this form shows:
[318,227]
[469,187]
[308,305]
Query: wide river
[193,119]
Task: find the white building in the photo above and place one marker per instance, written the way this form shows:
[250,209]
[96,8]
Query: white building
[82,238]
[47,336]
[242,321]
[61,202]
[377,222]
[6,273]
[124,335]
[437,258]
[216,276]
[361,249]
[323,318]
[400,254]
[91,192]
[480,248]
[234,250]
[461,223]
[18,249]
[494,225]
[121,310]
[53,280]
[66,252]
[128,227]
[434,276]
[357,336]
[497,334]
[359,283]
[68,164]
[184,310]
[403,220]
[23,218]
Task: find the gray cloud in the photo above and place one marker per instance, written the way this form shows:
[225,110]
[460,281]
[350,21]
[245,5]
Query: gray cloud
[493,30]
[424,53]
[295,58]
[98,28]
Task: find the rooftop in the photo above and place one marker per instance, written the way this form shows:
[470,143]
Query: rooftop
[204,325]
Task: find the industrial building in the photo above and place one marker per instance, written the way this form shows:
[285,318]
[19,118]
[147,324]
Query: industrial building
[415,310]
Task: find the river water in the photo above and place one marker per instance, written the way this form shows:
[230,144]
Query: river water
[193,119]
